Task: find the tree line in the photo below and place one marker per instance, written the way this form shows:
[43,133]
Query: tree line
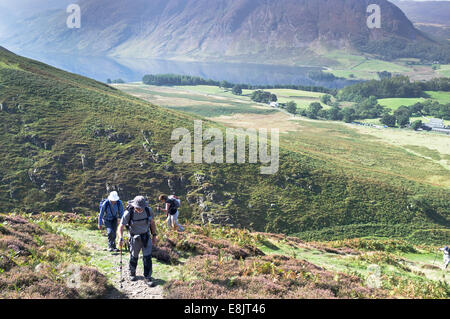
[371,109]
[392,48]
[396,87]
[183,80]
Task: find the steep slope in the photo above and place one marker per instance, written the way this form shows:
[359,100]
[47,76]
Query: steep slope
[286,31]
[66,141]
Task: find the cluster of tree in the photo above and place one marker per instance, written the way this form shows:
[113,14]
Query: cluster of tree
[321,76]
[428,108]
[396,87]
[174,79]
[368,108]
[385,88]
[237,90]
[118,81]
[318,89]
[393,48]
[291,107]
[401,117]
[437,84]
[261,96]
[384,75]
[326,99]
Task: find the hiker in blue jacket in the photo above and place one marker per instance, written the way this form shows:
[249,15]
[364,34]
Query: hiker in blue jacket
[111,210]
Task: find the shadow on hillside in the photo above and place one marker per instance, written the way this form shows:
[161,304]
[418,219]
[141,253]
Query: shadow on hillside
[436,217]
[268,244]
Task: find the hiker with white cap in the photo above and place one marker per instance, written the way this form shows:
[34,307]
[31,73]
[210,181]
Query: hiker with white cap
[446,251]
[111,210]
[138,218]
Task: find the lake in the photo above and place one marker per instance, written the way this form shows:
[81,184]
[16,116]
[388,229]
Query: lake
[132,70]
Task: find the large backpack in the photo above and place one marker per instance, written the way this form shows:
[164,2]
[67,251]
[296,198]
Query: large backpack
[174,205]
[102,202]
[131,210]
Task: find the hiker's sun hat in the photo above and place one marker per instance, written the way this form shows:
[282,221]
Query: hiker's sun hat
[138,202]
[114,197]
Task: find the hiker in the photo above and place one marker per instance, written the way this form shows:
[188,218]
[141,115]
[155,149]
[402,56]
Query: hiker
[138,218]
[446,252]
[111,209]
[172,203]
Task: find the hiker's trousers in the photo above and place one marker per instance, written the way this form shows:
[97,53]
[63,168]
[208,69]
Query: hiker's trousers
[111,231]
[172,221]
[136,245]
[446,261]
[148,268]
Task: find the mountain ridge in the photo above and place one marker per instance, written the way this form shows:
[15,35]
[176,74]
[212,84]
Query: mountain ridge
[244,30]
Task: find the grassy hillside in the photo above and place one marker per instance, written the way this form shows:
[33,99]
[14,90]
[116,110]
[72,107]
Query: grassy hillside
[222,262]
[67,140]
[375,156]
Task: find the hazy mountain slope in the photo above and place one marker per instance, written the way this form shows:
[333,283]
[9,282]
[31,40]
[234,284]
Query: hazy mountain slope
[283,31]
[66,141]
[431,17]
[430,12]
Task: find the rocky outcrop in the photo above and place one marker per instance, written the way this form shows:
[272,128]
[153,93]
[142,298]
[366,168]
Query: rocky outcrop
[36,141]
[112,136]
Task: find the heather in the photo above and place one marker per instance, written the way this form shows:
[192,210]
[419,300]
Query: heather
[36,263]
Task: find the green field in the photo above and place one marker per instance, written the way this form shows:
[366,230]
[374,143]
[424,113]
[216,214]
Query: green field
[363,67]
[216,101]
[395,103]
[302,98]
[205,101]
[444,70]
[441,97]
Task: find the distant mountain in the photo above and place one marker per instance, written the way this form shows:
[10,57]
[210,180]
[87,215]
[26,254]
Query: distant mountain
[284,31]
[430,12]
[430,17]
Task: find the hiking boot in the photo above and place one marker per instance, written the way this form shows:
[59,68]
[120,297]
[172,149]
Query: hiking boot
[150,281]
[133,277]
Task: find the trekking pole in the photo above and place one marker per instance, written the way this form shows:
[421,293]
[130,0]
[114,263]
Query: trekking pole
[435,256]
[121,284]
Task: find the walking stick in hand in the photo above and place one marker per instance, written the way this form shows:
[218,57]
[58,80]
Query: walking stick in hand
[121,245]
[435,257]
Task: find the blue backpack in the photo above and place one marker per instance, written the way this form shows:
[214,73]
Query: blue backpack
[102,202]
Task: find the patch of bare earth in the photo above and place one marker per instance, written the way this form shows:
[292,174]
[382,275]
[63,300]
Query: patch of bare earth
[278,120]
